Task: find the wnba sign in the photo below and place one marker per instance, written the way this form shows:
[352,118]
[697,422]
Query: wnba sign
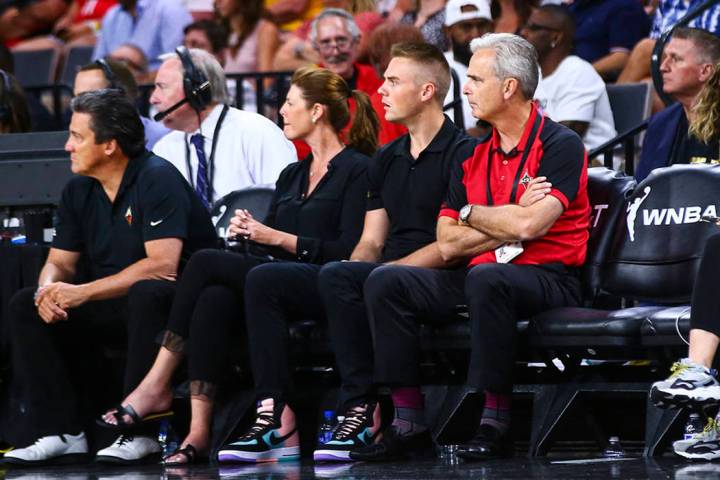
[664,216]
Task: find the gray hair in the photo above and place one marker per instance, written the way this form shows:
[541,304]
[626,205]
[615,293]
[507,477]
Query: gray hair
[211,68]
[335,12]
[515,58]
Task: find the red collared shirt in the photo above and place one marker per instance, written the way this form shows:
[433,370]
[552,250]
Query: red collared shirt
[555,152]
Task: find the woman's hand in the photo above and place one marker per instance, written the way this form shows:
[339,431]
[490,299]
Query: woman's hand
[244,225]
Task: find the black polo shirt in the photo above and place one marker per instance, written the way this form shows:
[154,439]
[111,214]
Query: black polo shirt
[153,202]
[329,221]
[412,190]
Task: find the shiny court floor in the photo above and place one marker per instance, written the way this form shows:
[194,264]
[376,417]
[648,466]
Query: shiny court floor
[518,468]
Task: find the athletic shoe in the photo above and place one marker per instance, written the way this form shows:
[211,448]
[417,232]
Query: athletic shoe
[53,449]
[359,429]
[689,384]
[268,440]
[394,446]
[129,449]
[710,432]
[704,445]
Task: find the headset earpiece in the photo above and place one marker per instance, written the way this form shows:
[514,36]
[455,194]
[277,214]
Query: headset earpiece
[195,83]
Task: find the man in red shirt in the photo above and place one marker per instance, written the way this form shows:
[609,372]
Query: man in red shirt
[336,37]
[516,218]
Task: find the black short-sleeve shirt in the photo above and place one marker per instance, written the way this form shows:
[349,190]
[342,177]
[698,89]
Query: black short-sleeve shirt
[412,190]
[329,221]
[153,202]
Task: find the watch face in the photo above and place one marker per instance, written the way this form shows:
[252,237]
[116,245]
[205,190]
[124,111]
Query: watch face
[465,212]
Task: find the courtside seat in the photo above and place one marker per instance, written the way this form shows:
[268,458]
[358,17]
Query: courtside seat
[663,328]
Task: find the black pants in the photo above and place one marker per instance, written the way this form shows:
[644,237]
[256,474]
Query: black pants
[497,295]
[41,353]
[207,313]
[705,303]
[276,293]
[342,289]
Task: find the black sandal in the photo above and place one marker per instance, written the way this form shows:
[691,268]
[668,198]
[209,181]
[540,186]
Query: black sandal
[188,452]
[120,413]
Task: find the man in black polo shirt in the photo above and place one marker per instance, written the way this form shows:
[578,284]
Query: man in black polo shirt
[407,182]
[517,215]
[132,217]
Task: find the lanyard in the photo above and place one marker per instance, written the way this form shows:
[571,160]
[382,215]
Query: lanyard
[528,145]
[211,160]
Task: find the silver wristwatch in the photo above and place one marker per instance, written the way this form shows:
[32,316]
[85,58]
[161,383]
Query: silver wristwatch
[465,213]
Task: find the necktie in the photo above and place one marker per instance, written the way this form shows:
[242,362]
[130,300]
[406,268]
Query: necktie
[201,182]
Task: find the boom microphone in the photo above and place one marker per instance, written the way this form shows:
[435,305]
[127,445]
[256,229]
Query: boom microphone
[160,115]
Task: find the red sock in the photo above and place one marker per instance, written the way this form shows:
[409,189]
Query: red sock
[407,397]
[497,401]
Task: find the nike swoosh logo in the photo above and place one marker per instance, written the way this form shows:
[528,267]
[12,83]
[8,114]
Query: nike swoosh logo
[156,223]
[274,439]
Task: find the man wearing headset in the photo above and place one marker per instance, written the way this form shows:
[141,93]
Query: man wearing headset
[217,148]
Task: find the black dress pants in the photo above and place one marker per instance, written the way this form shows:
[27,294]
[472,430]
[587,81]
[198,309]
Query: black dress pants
[41,353]
[207,313]
[275,294]
[342,287]
[705,303]
[497,295]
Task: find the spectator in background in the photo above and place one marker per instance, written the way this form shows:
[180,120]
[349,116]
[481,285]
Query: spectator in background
[570,91]
[667,14]
[134,59]
[299,51]
[217,148]
[289,15]
[511,15]
[40,118]
[336,37]
[688,63]
[429,17]
[114,74]
[14,114]
[155,26]
[464,20]
[78,26]
[606,31]
[29,19]
[207,35]
[253,40]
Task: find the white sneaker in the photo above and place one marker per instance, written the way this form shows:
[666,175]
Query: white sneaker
[55,449]
[709,433]
[689,384]
[130,449]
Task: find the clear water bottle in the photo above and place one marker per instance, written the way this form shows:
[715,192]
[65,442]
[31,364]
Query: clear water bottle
[613,448]
[693,426]
[326,427]
[167,438]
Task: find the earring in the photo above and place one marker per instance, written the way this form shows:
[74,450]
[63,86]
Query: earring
[553,44]
[313,120]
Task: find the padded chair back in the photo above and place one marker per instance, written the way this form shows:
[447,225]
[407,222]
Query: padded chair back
[256,200]
[77,57]
[659,240]
[35,67]
[608,191]
[630,103]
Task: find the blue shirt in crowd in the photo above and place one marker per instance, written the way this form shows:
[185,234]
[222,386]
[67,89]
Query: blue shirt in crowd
[157,29]
[670,11]
[605,26]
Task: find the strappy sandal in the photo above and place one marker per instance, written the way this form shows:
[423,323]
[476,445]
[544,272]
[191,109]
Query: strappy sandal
[188,452]
[128,410]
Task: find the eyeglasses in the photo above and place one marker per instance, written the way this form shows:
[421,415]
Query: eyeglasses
[341,43]
[534,27]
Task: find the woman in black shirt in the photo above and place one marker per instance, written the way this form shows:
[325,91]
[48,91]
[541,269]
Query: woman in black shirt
[316,216]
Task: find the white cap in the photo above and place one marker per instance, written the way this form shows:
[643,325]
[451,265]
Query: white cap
[454,13]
